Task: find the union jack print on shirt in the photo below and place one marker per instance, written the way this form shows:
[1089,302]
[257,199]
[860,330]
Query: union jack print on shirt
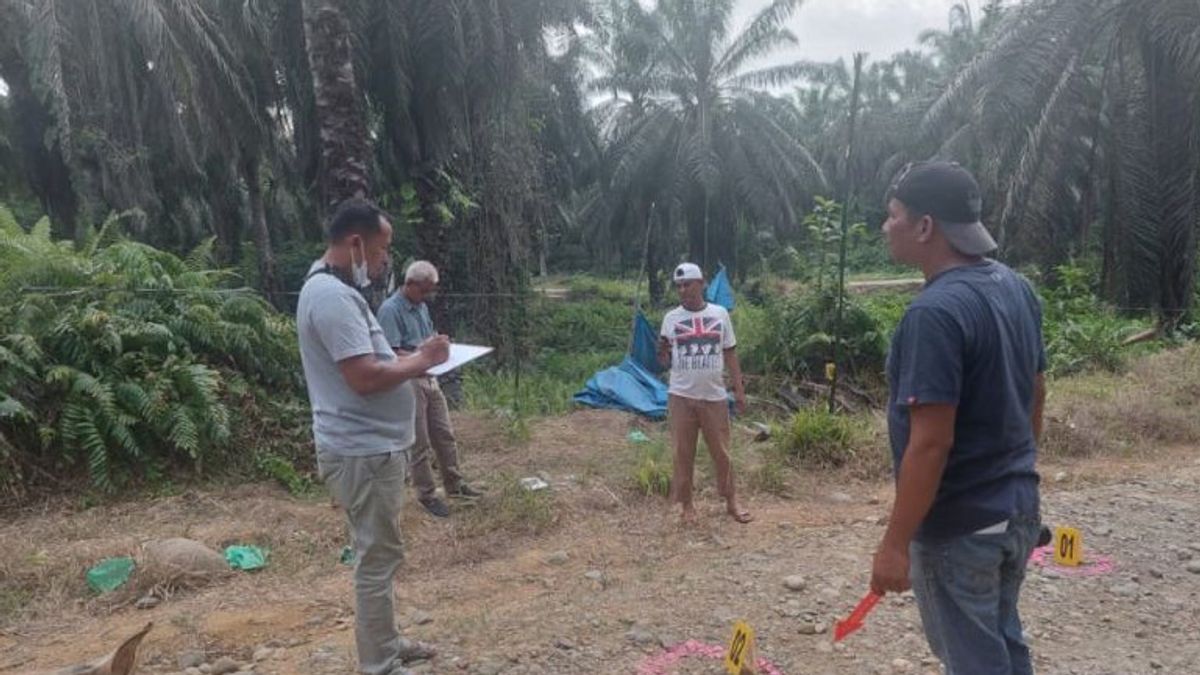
[698,344]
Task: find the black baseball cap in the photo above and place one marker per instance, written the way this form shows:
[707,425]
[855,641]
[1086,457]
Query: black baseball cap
[948,193]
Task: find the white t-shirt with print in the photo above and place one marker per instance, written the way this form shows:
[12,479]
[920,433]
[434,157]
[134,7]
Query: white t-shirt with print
[698,343]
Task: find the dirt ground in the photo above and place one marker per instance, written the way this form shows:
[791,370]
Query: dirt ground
[598,579]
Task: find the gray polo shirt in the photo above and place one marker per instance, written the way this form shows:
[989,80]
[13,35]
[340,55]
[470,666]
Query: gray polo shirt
[405,323]
[334,324]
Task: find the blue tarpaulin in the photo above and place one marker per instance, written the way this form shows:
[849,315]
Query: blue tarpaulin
[626,387]
[719,291]
[634,385]
[644,348]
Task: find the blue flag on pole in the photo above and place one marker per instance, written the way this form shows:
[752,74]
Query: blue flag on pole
[720,291]
[644,348]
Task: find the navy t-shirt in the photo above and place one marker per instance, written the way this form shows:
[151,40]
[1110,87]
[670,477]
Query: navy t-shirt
[972,339]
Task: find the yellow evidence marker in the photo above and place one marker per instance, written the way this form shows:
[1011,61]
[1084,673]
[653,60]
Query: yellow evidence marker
[1068,546]
[740,658]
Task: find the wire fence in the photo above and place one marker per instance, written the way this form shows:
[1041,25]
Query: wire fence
[549,341]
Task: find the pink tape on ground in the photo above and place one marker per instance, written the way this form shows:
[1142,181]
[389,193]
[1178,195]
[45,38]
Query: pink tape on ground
[660,663]
[1096,566]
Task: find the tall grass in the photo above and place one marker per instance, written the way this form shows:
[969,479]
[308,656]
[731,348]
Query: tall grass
[1150,407]
[570,339]
[546,387]
[652,468]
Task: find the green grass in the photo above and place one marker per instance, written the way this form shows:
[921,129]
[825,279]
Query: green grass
[13,600]
[771,474]
[546,386]
[584,287]
[511,509]
[816,438]
[652,469]
[1149,408]
[886,273]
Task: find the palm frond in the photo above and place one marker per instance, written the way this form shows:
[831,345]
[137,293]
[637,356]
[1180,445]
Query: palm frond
[772,76]
[764,34]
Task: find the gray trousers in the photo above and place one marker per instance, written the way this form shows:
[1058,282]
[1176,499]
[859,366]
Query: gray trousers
[435,433]
[371,490]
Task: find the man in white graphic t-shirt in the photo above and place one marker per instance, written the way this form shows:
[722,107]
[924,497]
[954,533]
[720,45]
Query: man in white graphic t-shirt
[697,344]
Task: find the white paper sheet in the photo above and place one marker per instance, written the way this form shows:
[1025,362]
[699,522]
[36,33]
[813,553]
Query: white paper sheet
[459,355]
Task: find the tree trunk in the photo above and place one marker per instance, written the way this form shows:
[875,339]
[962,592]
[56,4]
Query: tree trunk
[543,245]
[268,279]
[434,243]
[341,118]
[1176,184]
[226,215]
[654,258]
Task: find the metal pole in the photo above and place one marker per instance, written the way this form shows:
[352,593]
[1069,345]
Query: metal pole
[847,191]
[518,341]
[645,273]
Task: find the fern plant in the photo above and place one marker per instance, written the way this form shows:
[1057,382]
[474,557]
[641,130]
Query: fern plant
[119,358]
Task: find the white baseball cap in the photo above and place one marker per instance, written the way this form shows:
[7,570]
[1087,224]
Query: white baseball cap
[687,272]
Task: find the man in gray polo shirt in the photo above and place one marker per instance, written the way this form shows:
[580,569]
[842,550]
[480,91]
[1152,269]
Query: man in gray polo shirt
[406,323]
[362,403]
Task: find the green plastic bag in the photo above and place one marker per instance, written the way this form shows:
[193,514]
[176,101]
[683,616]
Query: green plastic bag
[347,557]
[636,436]
[110,574]
[245,558]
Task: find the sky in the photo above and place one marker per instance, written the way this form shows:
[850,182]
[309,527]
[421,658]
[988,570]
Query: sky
[829,29]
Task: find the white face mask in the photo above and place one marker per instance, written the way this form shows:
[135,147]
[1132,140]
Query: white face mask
[358,270]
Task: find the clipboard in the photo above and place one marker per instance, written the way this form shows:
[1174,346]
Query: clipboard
[459,355]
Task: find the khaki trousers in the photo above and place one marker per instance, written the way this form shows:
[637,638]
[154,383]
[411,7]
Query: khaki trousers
[433,432]
[688,418]
[371,489]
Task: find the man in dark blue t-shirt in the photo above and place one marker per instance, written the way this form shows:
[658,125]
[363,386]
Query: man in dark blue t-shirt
[966,382]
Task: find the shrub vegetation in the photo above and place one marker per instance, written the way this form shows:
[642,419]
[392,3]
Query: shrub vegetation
[123,360]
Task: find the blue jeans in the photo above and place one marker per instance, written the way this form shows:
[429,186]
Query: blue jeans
[967,590]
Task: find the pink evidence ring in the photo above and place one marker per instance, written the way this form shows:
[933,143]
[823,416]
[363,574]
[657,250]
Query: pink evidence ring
[658,664]
[1096,566]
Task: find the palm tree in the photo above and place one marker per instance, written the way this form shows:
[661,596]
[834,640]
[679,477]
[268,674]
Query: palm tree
[1085,112]
[964,36]
[465,111]
[617,210]
[886,120]
[143,105]
[693,137]
[338,103]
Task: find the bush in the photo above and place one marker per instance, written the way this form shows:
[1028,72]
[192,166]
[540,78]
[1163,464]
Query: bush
[886,309]
[568,340]
[817,437]
[1080,331]
[584,287]
[120,358]
[793,336]
[580,327]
